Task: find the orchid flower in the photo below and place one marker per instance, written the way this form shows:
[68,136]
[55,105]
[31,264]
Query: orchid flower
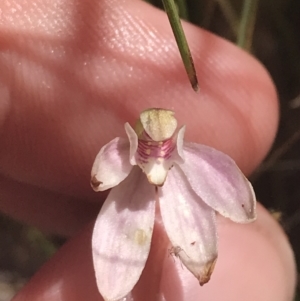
[190,181]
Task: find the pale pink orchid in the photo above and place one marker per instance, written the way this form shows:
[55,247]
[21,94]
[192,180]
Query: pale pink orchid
[191,182]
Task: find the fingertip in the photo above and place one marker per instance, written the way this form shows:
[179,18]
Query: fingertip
[255,263]
[237,109]
[252,259]
[5,103]
[94,88]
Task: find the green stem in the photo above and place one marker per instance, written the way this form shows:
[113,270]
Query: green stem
[182,9]
[172,12]
[246,28]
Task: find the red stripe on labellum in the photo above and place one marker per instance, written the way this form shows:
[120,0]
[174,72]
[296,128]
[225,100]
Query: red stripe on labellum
[154,149]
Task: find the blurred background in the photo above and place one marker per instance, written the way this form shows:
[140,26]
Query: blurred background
[270,30]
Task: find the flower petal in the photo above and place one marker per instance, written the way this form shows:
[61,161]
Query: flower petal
[133,140]
[159,124]
[190,225]
[122,236]
[178,155]
[156,171]
[218,181]
[111,165]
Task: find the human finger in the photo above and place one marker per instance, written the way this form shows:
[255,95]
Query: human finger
[255,263]
[72,83]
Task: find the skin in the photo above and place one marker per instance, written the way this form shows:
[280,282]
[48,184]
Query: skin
[73,72]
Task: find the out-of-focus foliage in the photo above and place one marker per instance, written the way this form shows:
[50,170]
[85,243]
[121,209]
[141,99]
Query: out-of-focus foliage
[23,250]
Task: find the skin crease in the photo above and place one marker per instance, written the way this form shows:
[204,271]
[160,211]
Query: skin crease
[73,73]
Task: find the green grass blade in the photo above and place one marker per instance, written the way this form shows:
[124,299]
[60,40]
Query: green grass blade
[172,12]
[246,28]
[182,9]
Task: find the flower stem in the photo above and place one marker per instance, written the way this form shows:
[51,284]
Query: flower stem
[182,9]
[246,28]
[172,12]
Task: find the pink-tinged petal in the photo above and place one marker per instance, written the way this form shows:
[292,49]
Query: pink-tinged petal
[133,140]
[178,155]
[111,165]
[190,225]
[122,235]
[218,181]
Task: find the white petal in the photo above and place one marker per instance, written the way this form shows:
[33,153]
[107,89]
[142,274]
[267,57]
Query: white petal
[190,225]
[122,236]
[218,181]
[133,140]
[156,170]
[111,165]
[178,156]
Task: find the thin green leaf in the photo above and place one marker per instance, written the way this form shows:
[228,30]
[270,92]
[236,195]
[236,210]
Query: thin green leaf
[172,12]
[246,28]
[182,9]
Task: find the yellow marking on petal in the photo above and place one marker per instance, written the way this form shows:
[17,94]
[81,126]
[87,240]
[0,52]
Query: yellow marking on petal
[148,151]
[159,124]
[149,143]
[162,153]
[140,237]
